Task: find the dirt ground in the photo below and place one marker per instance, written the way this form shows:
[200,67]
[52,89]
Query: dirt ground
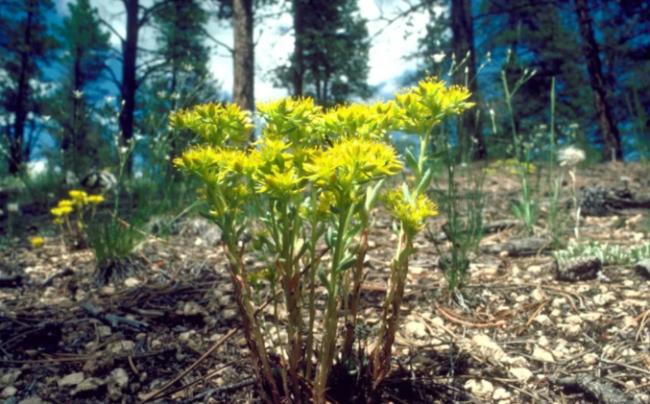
[519,336]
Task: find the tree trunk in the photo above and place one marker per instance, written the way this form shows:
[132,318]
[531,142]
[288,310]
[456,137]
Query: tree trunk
[462,28]
[244,58]
[610,133]
[298,51]
[129,83]
[16,152]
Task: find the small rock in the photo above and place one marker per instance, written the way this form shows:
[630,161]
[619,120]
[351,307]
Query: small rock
[32,400]
[487,348]
[131,282]
[543,319]
[643,268]
[604,299]
[480,388]
[416,329]
[578,269]
[590,359]
[8,391]
[229,314]
[500,394]
[542,355]
[107,290]
[88,385]
[119,377]
[10,377]
[118,347]
[521,374]
[72,379]
[116,382]
[104,331]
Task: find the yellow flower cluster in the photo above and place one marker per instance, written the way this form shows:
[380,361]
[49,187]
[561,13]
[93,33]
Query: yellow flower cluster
[78,199]
[426,105]
[352,162]
[411,213]
[304,146]
[359,121]
[292,120]
[216,124]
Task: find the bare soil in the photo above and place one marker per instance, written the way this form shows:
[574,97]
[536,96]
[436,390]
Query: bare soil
[516,335]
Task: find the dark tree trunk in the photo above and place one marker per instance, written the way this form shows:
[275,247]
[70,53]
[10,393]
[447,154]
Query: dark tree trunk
[610,133]
[463,47]
[129,83]
[17,153]
[244,57]
[298,51]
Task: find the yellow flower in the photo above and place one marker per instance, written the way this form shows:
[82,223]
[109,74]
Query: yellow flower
[214,165]
[37,241]
[95,199]
[352,162]
[79,197]
[217,124]
[427,104]
[281,183]
[359,120]
[61,211]
[411,213]
[291,119]
[66,203]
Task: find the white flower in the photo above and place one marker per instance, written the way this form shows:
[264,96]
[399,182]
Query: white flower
[78,94]
[109,99]
[161,94]
[571,156]
[13,207]
[438,57]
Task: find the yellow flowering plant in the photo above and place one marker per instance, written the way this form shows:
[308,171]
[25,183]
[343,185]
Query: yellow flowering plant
[71,214]
[305,191]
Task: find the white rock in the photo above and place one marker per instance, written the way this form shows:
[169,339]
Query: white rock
[521,374]
[132,282]
[604,298]
[590,359]
[104,331]
[118,347]
[543,319]
[90,384]
[591,317]
[542,355]
[10,377]
[479,388]
[500,394]
[416,329]
[8,391]
[487,348]
[119,377]
[71,379]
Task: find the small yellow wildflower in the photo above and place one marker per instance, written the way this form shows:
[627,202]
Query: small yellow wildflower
[411,213]
[291,119]
[427,104]
[78,196]
[95,199]
[37,241]
[218,125]
[281,183]
[61,211]
[352,162]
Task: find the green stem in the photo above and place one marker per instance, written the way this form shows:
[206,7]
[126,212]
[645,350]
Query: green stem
[329,338]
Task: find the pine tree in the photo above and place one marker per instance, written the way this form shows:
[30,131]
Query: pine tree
[85,51]
[330,60]
[180,80]
[27,44]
